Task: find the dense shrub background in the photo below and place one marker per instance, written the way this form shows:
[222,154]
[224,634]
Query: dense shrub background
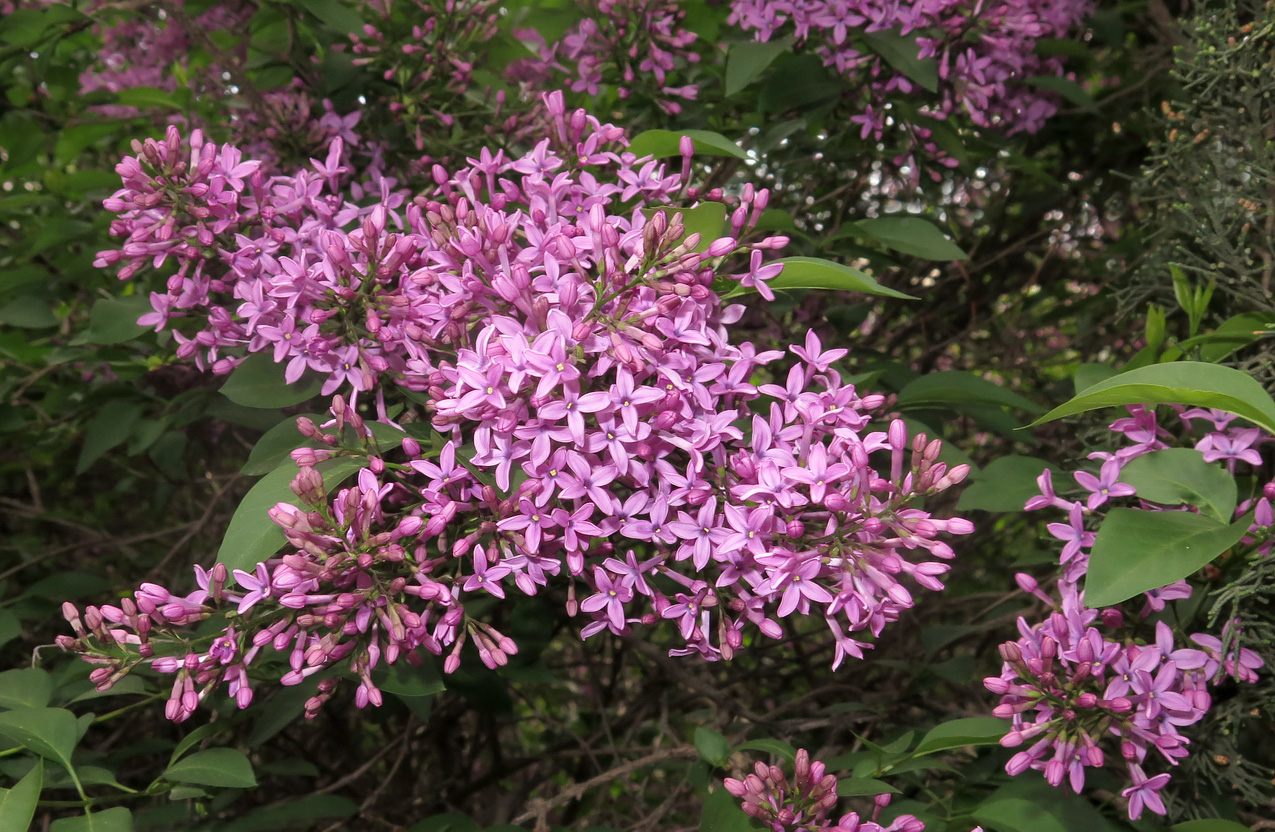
[1064,191]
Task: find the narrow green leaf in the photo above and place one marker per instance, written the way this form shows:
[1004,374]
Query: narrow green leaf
[114,320]
[712,746]
[449,822]
[117,819]
[1232,334]
[49,732]
[340,19]
[799,82]
[1015,814]
[252,536]
[816,273]
[193,739]
[1065,87]
[1177,476]
[777,747]
[904,54]
[28,312]
[298,814]
[17,805]
[721,813]
[112,426]
[954,387]
[223,768]
[664,143]
[979,730]
[403,679]
[29,687]
[259,382]
[1182,382]
[149,97]
[10,628]
[1209,825]
[911,235]
[748,59]
[273,448]
[1006,484]
[1087,375]
[863,787]
[1136,551]
[708,219]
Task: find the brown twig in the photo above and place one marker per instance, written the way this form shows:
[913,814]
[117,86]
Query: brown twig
[540,807]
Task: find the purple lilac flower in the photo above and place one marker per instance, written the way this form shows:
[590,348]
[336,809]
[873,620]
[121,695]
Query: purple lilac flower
[530,314]
[1069,688]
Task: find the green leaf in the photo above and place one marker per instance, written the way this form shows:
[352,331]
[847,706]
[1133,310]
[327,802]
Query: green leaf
[1136,551]
[284,708]
[1035,806]
[800,82]
[252,536]
[275,445]
[863,787]
[17,805]
[1232,334]
[1181,382]
[903,53]
[816,273]
[220,767]
[911,235]
[979,730]
[193,739]
[259,382]
[777,747]
[298,814]
[1177,476]
[149,97]
[748,59]
[338,18]
[129,685]
[449,822]
[1065,87]
[664,143]
[1006,484]
[955,387]
[27,27]
[114,320]
[403,679]
[49,732]
[29,687]
[118,819]
[721,813]
[1209,825]
[711,745]
[112,426]
[1016,814]
[1087,375]
[28,312]
[708,219]
[10,628]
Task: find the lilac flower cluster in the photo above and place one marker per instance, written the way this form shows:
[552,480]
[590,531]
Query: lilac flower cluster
[804,804]
[984,56]
[1068,688]
[619,42]
[138,50]
[593,420]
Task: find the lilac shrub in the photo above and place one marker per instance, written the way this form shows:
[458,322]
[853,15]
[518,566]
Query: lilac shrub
[625,43]
[984,57]
[1079,685]
[591,430]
